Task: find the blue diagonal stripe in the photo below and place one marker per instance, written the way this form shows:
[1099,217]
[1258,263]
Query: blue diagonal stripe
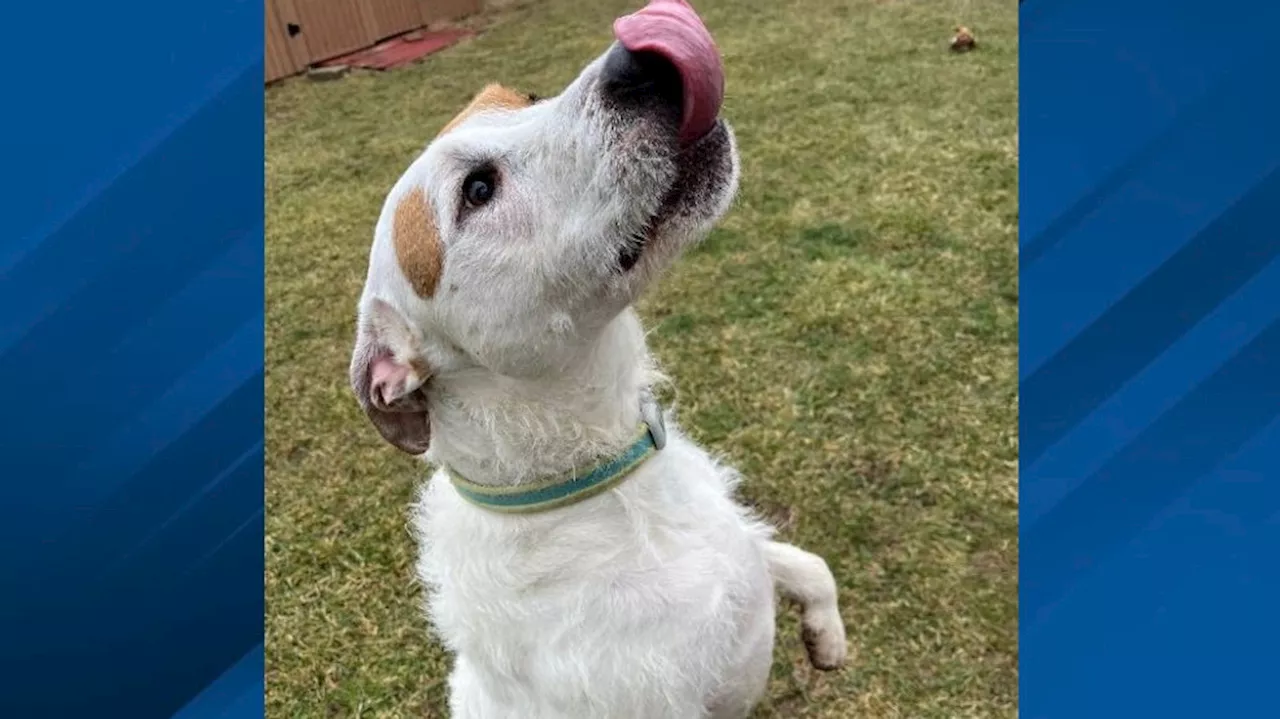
[1198,173]
[55,297]
[180,414]
[1147,567]
[250,526]
[1149,319]
[1117,501]
[73,124]
[182,607]
[225,698]
[131,332]
[15,249]
[250,459]
[1158,597]
[153,493]
[1119,420]
[1124,85]
[133,373]
[1185,135]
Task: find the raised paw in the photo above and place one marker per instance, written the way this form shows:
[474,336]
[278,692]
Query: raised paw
[824,639]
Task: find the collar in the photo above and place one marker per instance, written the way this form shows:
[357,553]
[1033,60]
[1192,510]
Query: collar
[570,488]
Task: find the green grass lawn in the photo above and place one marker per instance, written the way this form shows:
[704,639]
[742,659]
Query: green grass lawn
[847,338]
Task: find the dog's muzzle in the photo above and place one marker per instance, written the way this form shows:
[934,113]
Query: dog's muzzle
[642,81]
[665,68]
[665,51]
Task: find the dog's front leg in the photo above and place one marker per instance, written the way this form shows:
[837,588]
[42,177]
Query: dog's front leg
[806,578]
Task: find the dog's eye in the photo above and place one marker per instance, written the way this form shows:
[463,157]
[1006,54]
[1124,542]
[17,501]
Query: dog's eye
[479,187]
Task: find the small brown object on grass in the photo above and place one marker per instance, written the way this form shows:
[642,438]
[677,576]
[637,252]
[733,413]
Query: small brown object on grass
[963,40]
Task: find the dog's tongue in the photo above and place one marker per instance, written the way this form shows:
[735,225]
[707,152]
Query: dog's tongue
[672,29]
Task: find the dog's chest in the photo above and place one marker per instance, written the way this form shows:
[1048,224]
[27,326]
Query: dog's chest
[583,601]
[576,588]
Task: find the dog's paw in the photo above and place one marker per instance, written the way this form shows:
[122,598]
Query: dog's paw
[824,639]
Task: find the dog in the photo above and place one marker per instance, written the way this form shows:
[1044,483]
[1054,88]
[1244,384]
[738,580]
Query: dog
[583,559]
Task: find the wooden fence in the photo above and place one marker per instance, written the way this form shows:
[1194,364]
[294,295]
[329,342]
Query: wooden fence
[301,33]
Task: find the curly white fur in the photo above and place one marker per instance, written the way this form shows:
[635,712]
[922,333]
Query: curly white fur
[655,599]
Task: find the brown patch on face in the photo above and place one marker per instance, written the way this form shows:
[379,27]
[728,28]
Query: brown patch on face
[415,235]
[492,97]
[417,243]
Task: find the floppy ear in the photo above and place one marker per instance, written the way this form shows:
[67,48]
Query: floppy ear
[388,374]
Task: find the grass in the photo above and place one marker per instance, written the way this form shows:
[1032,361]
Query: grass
[847,338]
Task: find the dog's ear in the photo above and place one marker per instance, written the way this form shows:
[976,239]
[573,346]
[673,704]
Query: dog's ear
[388,376]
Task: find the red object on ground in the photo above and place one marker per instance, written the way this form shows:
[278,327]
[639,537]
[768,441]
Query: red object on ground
[400,50]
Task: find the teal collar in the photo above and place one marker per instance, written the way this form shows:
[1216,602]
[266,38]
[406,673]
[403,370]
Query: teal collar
[573,487]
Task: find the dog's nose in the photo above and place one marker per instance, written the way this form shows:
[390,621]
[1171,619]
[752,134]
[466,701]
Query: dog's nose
[641,76]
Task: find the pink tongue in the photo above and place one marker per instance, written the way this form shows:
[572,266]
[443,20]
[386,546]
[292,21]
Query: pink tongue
[672,29]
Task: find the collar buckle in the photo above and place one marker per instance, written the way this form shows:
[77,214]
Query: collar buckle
[652,415]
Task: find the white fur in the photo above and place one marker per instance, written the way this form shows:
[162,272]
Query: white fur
[656,598]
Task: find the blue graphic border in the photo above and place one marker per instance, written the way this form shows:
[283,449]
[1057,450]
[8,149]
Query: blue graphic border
[131,356]
[1149,343]
[131,291]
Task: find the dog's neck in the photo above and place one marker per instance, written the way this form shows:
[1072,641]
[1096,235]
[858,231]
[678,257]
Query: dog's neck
[502,431]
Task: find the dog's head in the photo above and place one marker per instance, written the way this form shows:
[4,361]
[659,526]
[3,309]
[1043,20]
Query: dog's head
[527,225]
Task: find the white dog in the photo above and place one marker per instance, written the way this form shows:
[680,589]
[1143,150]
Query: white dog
[582,561]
